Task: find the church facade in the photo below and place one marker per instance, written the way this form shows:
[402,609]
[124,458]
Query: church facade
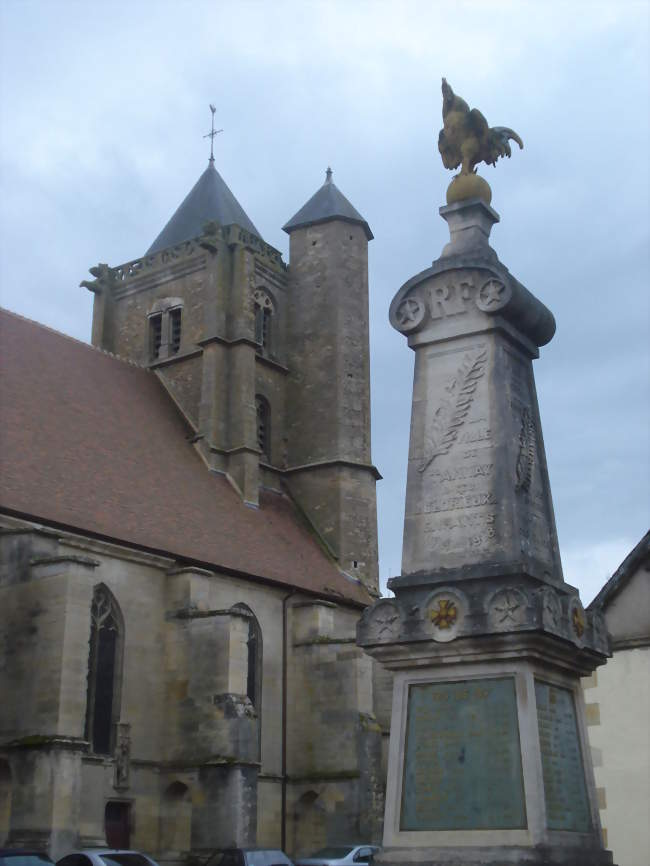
[188,538]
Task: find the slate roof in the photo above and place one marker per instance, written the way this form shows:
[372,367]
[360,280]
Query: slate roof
[328,203]
[209,199]
[92,443]
[637,556]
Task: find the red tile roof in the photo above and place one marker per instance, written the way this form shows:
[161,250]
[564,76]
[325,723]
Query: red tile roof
[95,444]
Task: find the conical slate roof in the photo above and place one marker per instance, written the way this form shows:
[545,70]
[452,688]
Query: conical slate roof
[209,199]
[327,204]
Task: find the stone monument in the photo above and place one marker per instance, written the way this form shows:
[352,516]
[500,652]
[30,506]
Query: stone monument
[488,760]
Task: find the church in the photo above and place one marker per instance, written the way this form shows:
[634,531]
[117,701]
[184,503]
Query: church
[188,537]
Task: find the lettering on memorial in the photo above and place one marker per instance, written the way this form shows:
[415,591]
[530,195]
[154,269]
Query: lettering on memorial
[526,454]
[452,503]
[450,415]
[508,608]
[462,758]
[448,299]
[565,790]
[493,295]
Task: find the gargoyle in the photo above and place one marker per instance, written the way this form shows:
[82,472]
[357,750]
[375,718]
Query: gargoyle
[466,139]
[104,277]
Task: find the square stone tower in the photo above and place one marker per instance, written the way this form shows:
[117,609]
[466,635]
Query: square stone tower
[268,362]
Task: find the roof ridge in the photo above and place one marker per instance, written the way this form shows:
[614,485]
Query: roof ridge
[74,339]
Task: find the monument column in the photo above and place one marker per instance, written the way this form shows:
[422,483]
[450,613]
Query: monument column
[488,761]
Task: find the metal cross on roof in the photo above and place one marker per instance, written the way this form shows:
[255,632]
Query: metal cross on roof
[212,133]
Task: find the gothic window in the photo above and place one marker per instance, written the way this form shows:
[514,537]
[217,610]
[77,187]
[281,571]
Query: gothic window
[263,426]
[155,335]
[254,658]
[175,330]
[104,671]
[263,319]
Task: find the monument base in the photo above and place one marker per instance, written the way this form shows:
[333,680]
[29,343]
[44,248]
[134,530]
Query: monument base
[457,856]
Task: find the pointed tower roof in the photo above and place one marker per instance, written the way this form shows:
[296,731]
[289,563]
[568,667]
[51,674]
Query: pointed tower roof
[209,199]
[328,203]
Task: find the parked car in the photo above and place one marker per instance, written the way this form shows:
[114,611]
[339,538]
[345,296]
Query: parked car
[339,855]
[23,857]
[249,857]
[104,857]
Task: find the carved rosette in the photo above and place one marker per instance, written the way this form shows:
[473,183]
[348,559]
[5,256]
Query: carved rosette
[446,610]
[381,622]
[507,609]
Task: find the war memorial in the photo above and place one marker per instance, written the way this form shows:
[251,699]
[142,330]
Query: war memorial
[488,759]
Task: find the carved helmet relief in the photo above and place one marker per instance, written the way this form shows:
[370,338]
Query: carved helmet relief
[383,620]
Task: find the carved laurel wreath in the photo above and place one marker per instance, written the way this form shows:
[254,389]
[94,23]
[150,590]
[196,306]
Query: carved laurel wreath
[452,413]
[526,455]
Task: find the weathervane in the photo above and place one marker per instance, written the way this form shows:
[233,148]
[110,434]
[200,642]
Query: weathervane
[212,133]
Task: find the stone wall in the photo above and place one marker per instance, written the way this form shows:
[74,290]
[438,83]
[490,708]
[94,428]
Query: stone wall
[196,744]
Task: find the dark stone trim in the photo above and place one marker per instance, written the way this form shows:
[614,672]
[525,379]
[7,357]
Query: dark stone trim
[630,643]
[269,362]
[216,338]
[172,359]
[325,464]
[46,741]
[71,558]
[325,641]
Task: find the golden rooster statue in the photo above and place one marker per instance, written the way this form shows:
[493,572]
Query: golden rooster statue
[465,140]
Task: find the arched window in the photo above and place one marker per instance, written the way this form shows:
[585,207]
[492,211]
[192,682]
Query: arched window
[263,316]
[104,671]
[254,657]
[263,410]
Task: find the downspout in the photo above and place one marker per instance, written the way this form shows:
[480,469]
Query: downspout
[283,816]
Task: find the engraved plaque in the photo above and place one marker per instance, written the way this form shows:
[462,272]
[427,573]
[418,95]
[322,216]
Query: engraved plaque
[462,759]
[565,791]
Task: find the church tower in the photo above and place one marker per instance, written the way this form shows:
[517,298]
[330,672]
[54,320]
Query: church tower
[269,364]
[328,395]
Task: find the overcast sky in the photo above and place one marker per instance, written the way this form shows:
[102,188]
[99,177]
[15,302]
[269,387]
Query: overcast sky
[103,109]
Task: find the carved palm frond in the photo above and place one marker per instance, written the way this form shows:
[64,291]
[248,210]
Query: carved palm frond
[452,413]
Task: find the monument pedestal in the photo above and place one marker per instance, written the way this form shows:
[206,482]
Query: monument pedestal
[489,761]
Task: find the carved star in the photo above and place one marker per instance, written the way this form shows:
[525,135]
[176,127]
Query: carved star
[492,293]
[408,312]
[507,608]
